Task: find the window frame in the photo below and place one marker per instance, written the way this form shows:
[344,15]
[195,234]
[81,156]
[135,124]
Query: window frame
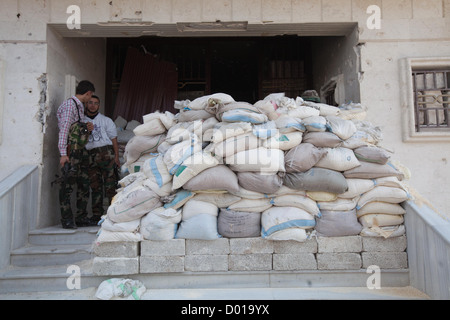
[408,65]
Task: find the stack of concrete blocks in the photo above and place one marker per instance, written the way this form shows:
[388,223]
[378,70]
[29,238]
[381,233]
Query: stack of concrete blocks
[249,254]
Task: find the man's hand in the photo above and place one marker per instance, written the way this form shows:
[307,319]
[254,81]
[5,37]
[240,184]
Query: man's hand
[90,126]
[63,160]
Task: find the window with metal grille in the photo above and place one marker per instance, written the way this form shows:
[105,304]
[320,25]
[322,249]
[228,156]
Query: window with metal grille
[431,99]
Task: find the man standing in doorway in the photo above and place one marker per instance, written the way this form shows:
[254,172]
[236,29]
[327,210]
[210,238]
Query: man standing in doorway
[103,152]
[73,135]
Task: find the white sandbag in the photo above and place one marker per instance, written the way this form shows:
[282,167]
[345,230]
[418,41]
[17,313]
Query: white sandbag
[200,227]
[236,144]
[339,204]
[242,108]
[338,224]
[284,141]
[301,112]
[324,109]
[163,191]
[368,170]
[208,180]
[138,165]
[192,166]
[356,187]
[285,191]
[268,108]
[303,157]
[209,100]
[295,234]
[321,196]
[177,200]
[221,200]
[372,154]
[238,224]
[277,219]
[315,123]
[119,288]
[381,207]
[385,232]
[317,179]
[192,115]
[194,207]
[248,194]
[322,139]
[140,145]
[251,205]
[286,124]
[380,220]
[384,194]
[344,129]
[223,131]
[120,122]
[132,177]
[263,183]
[104,235]
[183,130]
[133,204]
[339,159]
[352,111]
[179,152]
[389,182]
[265,130]
[297,201]
[156,171]
[152,127]
[131,125]
[160,224]
[128,226]
[261,160]
[238,115]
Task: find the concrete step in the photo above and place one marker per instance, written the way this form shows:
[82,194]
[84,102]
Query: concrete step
[48,255]
[58,235]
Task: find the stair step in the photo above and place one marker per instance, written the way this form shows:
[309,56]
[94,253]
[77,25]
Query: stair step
[56,234]
[46,255]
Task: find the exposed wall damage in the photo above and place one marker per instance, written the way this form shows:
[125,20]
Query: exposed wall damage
[42,113]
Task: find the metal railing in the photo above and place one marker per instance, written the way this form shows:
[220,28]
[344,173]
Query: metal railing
[19,194]
[428,236]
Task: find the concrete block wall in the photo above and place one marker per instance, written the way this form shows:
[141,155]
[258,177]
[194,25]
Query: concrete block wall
[249,254]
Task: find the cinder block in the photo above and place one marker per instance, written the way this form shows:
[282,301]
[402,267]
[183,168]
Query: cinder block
[380,244]
[338,261]
[106,266]
[250,262]
[291,262]
[217,246]
[208,262]
[117,249]
[385,260]
[339,244]
[250,245]
[173,247]
[161,264]
[295,247]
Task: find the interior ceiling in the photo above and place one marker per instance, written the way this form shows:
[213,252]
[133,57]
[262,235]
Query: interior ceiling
[203,29]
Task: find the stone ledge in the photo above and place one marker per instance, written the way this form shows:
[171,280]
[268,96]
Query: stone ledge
[249,254]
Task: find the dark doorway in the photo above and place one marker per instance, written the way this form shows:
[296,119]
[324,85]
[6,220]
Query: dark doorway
[234,69]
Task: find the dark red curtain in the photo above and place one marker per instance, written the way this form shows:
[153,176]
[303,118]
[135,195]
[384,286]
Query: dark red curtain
[148,84]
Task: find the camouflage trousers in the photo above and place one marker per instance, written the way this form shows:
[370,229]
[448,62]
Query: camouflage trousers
[79,178]
[102,177]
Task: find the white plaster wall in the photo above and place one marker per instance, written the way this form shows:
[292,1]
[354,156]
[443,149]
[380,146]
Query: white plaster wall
[381,91]
[408,28]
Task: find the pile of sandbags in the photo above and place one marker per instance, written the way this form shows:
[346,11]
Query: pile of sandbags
[281,168]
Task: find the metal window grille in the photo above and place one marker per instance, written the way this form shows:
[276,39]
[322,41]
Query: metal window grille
[431,99]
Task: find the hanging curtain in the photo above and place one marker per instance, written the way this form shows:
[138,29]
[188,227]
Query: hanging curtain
[148,84]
